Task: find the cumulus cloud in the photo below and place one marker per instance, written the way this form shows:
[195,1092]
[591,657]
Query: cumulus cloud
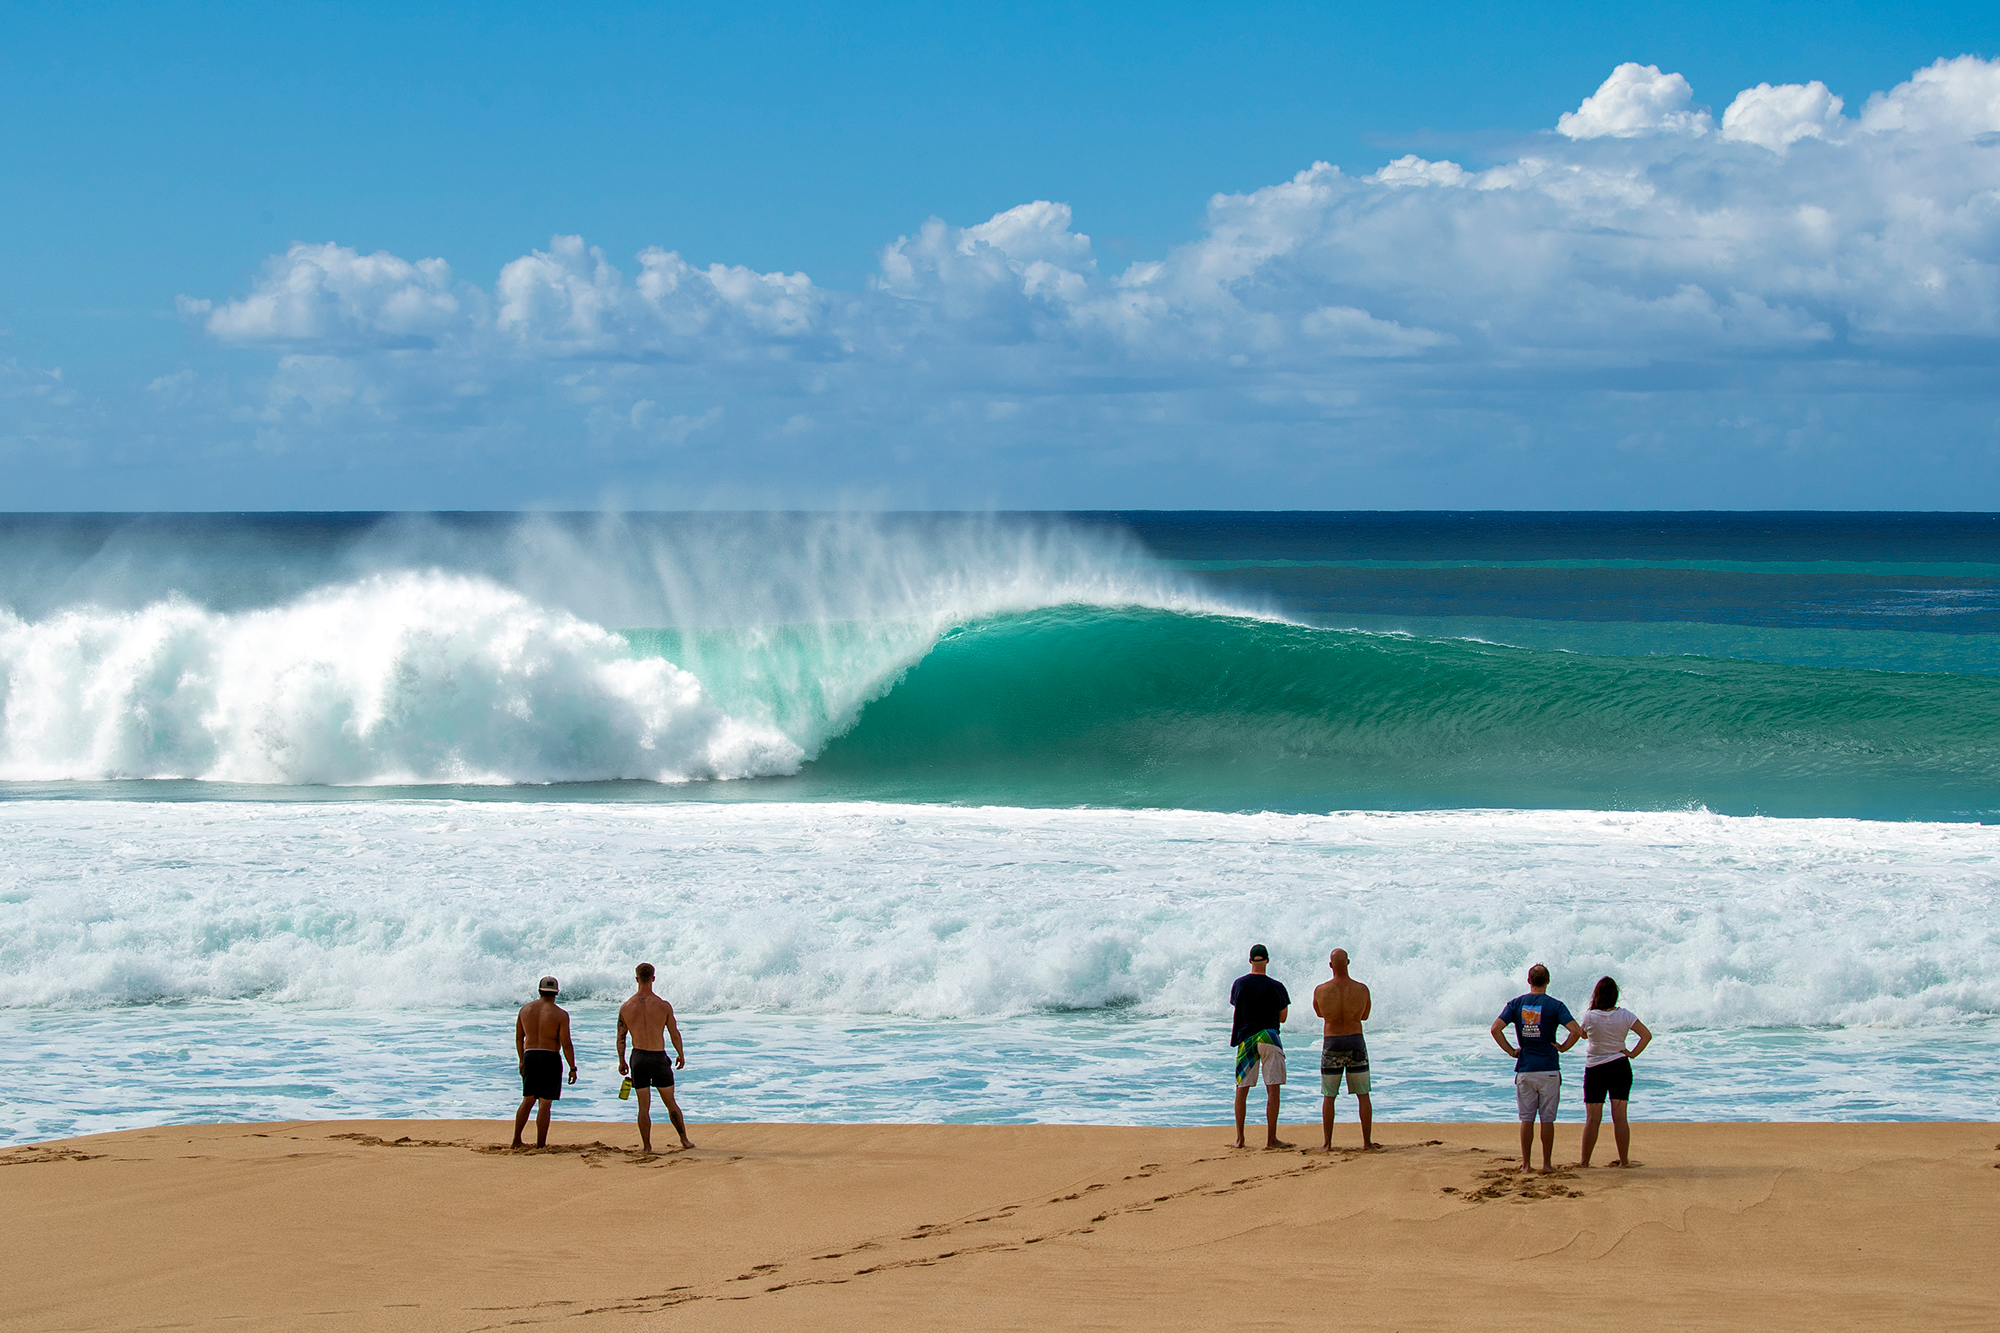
[1951,99]
[1636,99]
[330,294]
[1789,251]
[1778,117]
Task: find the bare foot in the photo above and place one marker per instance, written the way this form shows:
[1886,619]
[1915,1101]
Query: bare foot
[1371,1147]
[1237,1144]
[1276,1144]
[1546,1171]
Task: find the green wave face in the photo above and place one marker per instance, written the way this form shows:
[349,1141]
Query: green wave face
[1160,708]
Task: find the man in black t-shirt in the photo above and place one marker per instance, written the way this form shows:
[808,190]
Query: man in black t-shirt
[1261,1005]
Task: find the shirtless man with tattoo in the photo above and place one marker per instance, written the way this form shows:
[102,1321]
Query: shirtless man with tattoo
[649,1021]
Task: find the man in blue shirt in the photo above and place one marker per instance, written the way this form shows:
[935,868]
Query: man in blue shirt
[1535,1017]
[1261,1003]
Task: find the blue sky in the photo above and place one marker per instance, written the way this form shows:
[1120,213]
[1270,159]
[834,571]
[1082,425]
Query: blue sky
[202,305]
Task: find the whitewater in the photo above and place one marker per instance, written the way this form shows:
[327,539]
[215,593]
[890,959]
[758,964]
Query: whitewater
[973,818]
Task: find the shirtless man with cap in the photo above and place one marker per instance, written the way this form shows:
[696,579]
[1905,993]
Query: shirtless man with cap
[650,1021]
[541,1029]
[1343,1005]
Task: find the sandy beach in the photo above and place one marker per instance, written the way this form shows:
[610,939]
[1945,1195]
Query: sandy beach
[436,1225]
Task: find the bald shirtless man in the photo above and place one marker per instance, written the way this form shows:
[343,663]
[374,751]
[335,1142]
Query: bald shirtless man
[1343,1005]
[649,1020]
[541,1029]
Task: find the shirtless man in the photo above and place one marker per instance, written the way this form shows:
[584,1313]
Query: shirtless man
[1344,1005]
[541,1029]
[650,1021]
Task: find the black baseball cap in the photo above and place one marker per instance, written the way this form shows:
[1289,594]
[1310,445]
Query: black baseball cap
[1259,951]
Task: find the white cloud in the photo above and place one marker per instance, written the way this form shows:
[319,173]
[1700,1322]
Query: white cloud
[331,294]
[1778,117]
[1636,99]
[1952,98]
[1640,248]
[1413,170]
[1357,333]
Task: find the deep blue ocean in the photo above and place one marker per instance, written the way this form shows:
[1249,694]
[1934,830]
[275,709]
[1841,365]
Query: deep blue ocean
[972,816]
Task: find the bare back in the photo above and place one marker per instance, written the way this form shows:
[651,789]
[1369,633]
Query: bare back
[1344,1005]
[543,1025]
[647,1017]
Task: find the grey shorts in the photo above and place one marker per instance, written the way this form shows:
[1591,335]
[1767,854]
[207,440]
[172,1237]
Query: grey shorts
[1345,1059]
[1536,1094]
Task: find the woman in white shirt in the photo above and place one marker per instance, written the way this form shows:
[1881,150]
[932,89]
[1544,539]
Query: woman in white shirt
[1607,1067]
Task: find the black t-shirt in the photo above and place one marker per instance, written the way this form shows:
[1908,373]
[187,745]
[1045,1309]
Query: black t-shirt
[1258,1000]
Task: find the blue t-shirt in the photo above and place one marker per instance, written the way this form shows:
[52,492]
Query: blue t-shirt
[1258,999]
[1536,1019]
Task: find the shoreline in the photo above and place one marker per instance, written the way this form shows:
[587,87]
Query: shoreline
[428,1224]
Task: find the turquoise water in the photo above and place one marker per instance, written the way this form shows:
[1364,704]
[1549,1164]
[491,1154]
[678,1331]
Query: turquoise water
[1162,708]
[235,1062]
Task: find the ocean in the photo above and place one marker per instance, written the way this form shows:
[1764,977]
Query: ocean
[974,817]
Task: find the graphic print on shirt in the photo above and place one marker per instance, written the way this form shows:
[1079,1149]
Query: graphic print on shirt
[1531,1022]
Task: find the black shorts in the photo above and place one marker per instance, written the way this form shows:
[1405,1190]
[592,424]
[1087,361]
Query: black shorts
[1611,1079]
[652,1069]
[541,1075]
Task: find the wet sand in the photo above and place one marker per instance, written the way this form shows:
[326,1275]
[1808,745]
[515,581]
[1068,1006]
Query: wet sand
[435,1225]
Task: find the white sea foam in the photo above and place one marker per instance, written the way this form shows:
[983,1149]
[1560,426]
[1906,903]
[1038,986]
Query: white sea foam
[1728,923]
[406,678]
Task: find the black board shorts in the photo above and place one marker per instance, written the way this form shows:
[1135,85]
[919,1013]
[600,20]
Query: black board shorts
[1611,1079]
[541,1075]
[651,1069]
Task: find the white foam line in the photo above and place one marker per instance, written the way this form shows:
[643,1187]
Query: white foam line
[858,908]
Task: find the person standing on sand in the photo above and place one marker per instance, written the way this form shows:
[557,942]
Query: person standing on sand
[1537,1062]
[1343,1005]
[650,1021]
[541,1029]
[1261,1005]
[1607,1067]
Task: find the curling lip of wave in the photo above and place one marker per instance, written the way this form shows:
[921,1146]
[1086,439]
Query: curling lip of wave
[1150,708]
[400,678]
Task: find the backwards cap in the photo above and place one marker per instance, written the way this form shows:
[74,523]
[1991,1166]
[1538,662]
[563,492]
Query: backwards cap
[549,986]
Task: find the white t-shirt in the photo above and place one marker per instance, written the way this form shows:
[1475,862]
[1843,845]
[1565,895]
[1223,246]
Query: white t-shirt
[1605,1029]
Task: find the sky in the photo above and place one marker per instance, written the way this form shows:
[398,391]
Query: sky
[1024,257]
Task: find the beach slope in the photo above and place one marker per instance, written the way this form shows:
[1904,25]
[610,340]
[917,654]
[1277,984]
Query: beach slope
[431,1225]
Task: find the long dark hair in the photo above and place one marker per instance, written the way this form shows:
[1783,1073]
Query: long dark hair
[1605,994]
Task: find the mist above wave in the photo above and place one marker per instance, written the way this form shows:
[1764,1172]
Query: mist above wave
[616,570]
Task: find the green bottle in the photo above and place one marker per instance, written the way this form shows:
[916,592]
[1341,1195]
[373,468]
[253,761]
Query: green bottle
[625,1090]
